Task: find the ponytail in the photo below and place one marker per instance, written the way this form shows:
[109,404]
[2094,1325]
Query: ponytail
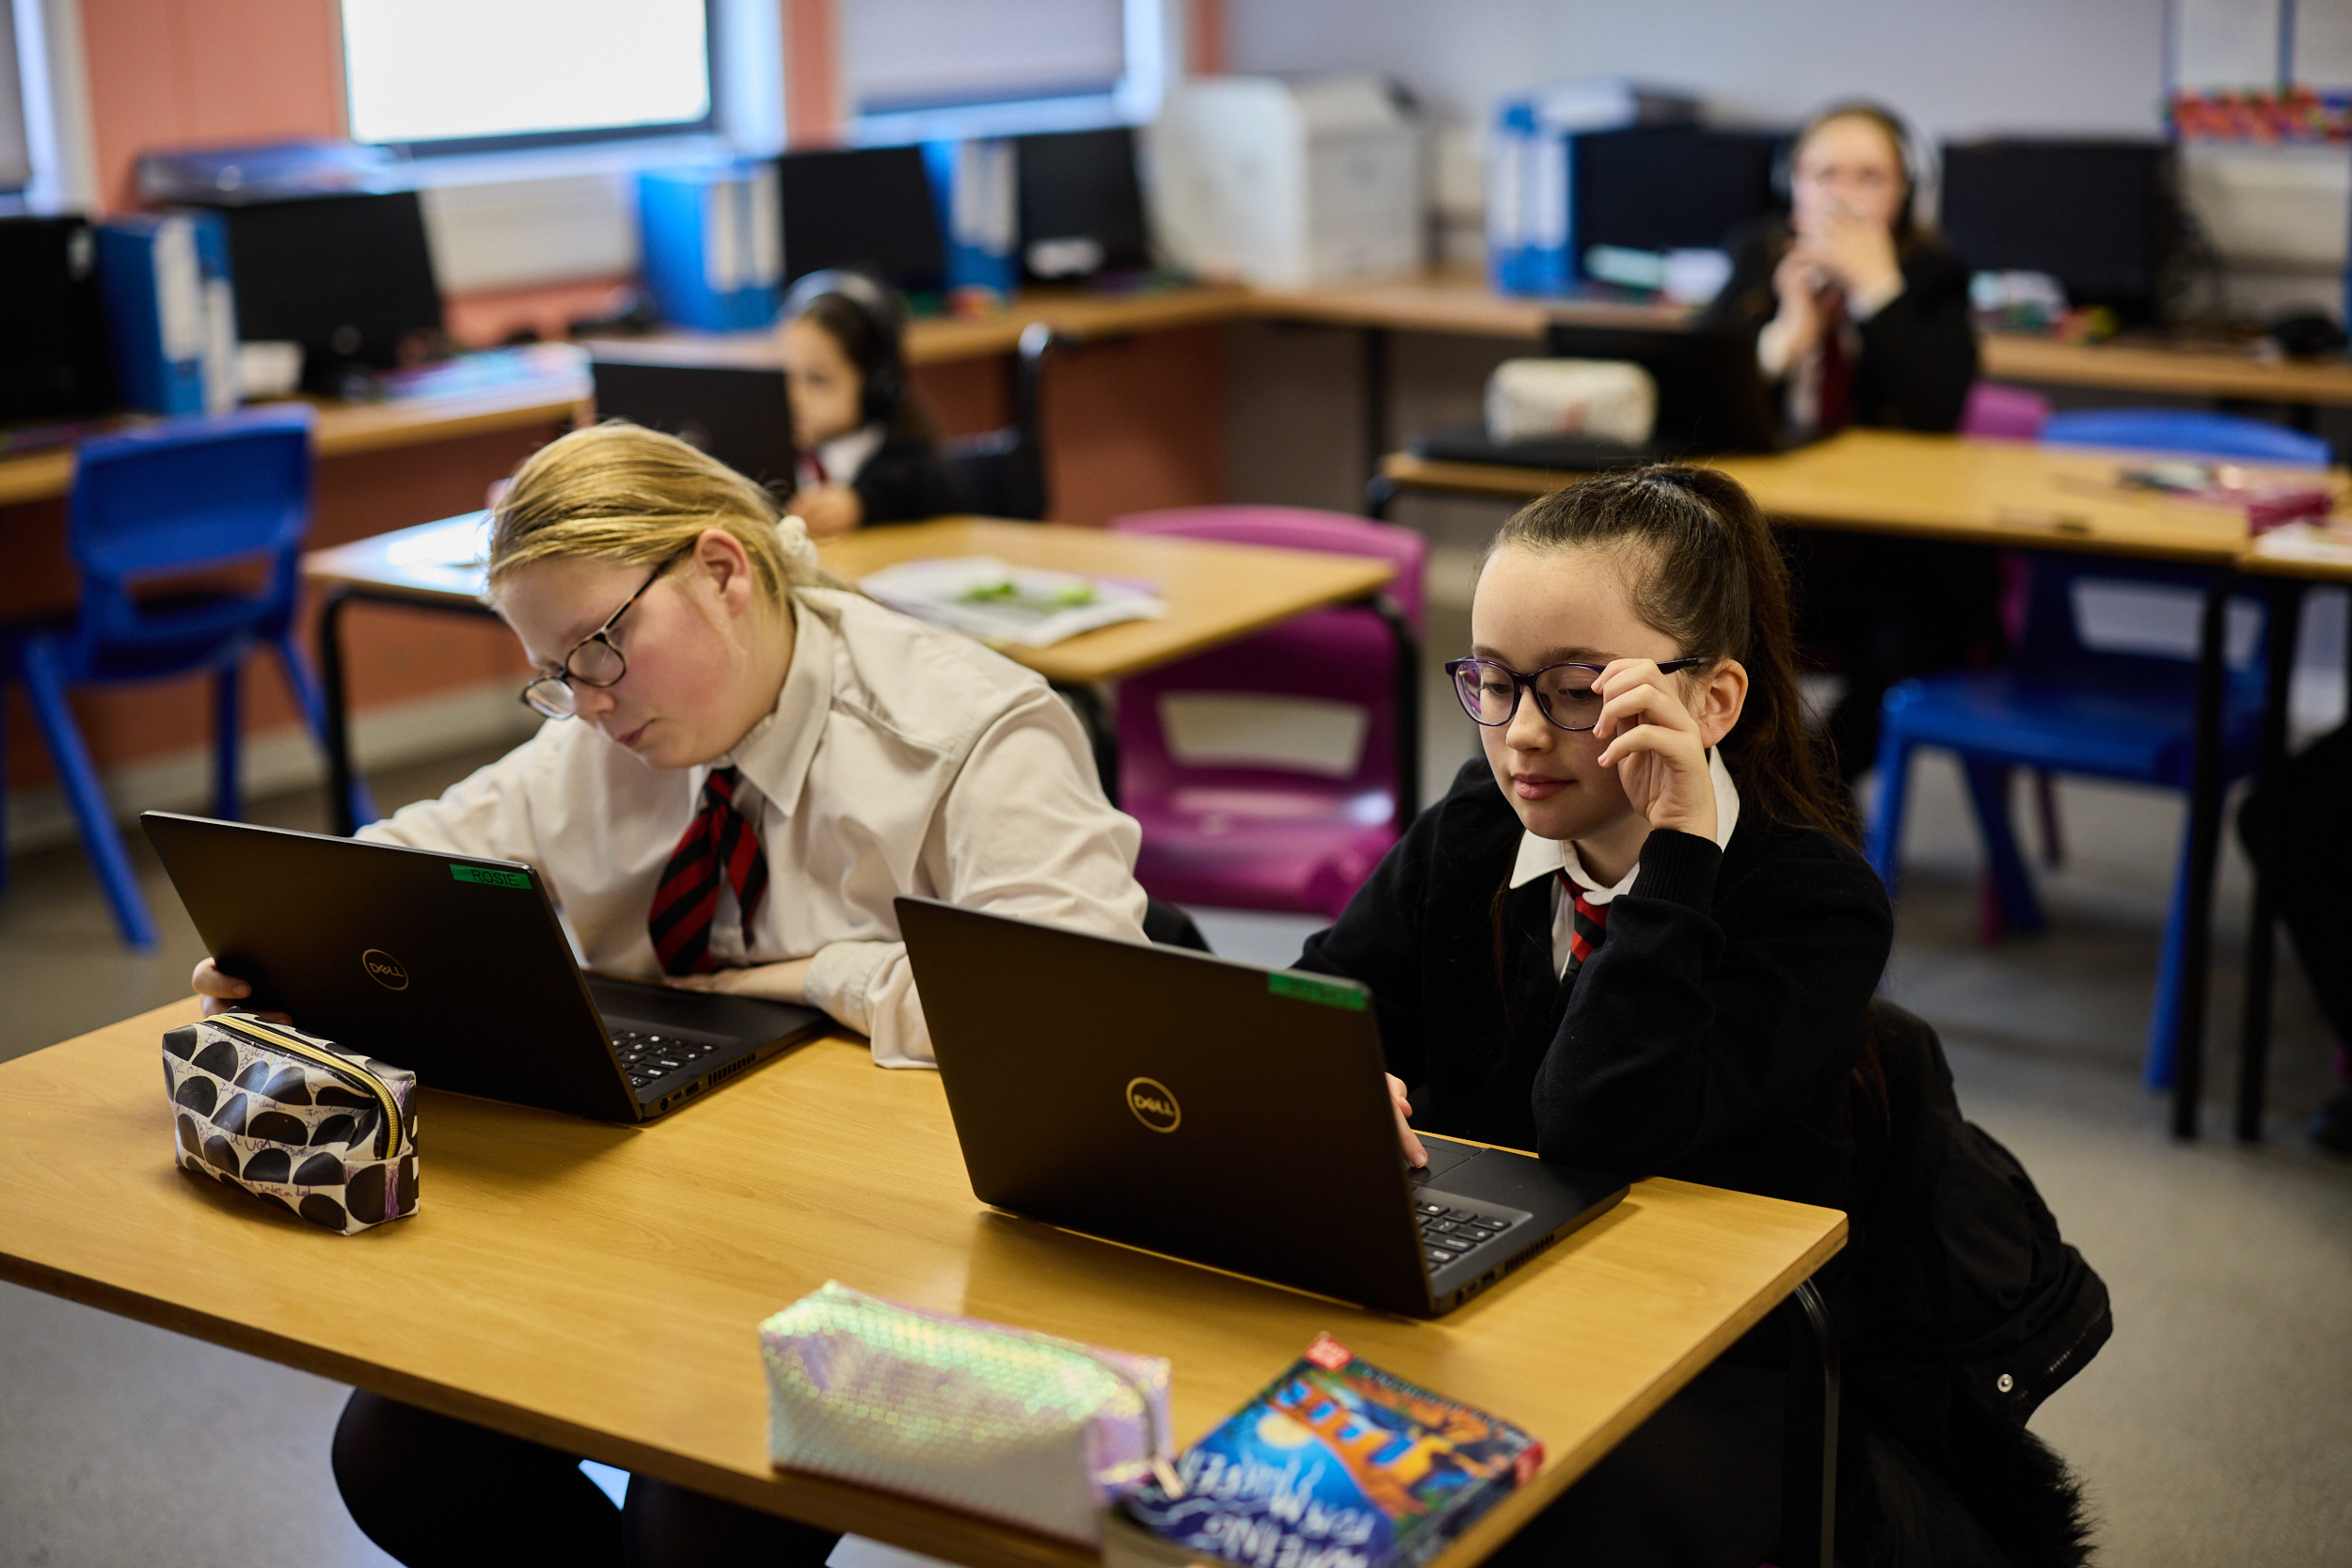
[1714,583]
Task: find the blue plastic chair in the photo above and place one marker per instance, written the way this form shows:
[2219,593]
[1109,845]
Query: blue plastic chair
[2061,707]
[188,497]
[2188,433]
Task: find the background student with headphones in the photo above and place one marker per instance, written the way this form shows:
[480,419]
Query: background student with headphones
[1860,315]
[867,453]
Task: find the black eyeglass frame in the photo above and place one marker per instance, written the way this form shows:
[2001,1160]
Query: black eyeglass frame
[1524,685]
[563,678]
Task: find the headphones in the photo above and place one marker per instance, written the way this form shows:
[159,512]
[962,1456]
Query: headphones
[1917,210]
[882,374]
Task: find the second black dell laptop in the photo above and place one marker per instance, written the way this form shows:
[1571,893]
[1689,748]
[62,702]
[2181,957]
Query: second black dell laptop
[455,968]
[1228,1114]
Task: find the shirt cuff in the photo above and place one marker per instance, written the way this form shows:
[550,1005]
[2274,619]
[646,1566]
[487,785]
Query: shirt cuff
[1679,867]
[841,977]
[1772,350]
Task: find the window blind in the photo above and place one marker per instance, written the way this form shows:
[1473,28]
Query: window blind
[903,56]
[16,161]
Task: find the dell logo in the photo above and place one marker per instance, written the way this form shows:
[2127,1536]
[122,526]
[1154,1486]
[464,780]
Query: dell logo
[384,969]
[1154,1106]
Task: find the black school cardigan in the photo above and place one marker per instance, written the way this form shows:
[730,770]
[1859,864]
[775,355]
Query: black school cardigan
[908,480]
[1918,353]
[1710,1037]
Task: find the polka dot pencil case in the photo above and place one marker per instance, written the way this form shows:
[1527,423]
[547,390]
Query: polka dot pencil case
[320,1132]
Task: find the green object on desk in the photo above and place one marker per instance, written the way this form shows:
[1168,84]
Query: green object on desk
[1076,595]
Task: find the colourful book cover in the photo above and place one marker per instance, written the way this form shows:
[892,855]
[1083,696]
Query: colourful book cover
[1337,1464]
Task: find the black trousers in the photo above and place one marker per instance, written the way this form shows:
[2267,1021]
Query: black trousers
[438,1493]
[1695,1486]
[1880,611]
[2313,868]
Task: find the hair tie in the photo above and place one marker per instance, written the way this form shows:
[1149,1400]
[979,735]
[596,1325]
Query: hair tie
[800,551]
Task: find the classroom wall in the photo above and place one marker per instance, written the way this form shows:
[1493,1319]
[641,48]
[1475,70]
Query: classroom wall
[1956,68]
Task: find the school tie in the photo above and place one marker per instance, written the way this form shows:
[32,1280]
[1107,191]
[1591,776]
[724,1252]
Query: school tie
[1834,402]
[684,904]
[1590,925]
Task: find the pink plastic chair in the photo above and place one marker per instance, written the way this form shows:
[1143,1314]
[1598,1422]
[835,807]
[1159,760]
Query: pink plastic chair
[2006,413]
[1255,833]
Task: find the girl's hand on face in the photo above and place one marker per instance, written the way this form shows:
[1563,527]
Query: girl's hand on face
[225,993]
[1415,1155]
[783,982]
[1797,282]
[1654,744]
[827,509]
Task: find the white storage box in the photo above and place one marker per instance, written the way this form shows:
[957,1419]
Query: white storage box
[1287,183]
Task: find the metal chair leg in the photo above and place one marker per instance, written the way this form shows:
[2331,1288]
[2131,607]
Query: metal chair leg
[1808,1463]
[228,729]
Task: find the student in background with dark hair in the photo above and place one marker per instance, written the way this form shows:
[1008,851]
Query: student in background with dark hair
[867,453]
[1636,935]
[1860,315]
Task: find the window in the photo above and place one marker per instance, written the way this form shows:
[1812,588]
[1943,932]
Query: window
[477,75]
[918,68]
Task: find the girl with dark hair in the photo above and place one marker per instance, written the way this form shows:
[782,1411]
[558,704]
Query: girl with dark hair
[867,453]
[1860,316]
[1635,934]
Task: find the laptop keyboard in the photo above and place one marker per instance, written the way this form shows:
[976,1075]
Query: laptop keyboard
[647,1056]
[1448,1233]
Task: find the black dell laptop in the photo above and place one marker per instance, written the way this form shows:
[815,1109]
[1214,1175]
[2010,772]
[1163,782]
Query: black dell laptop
[1223,1114]
[739,414]
[1711,401]
[455,968]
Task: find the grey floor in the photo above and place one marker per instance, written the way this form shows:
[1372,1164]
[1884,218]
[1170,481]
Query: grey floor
[2216,1428]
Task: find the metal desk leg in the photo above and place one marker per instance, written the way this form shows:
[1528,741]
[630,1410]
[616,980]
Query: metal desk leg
[1376,350]
[1101,733]
[2205,835]
[337,700]
[1808,1465]
[1379,491]
[2282,626]
[1407,701]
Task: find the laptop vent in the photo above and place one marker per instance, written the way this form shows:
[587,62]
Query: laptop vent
[722,1074]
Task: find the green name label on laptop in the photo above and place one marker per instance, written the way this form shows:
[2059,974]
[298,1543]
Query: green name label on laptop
[488,878]
[1305,990]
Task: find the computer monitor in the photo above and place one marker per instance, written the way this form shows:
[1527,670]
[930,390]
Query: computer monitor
[52,352]
[1081,205]
[869,207]
[2096,215]
[349,278]
[1660,188]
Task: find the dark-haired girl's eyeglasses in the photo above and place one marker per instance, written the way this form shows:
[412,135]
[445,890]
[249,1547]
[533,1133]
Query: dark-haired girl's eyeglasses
[595,660]
[1564,692]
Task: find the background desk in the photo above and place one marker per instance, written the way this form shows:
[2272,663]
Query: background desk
[2015,494]
[1214,593]
[597,1287]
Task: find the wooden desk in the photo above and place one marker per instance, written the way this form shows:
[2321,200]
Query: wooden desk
[1214,593]
[2184,371]
[2015,494]
[555,387]
[597,1287]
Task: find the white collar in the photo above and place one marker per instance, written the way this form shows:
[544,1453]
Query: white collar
[1541,856]
[844,455]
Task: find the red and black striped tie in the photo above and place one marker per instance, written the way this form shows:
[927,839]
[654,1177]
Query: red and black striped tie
[1592,924]
[688,898]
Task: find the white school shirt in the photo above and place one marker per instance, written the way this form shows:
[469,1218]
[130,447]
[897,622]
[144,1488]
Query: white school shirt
[841,459]
[1542,857]
[900,758]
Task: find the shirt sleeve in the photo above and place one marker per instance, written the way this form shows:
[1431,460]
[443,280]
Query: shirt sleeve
[487,814]
[1023,830]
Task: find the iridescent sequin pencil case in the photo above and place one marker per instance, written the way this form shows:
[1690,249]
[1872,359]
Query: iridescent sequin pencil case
[1020,1426]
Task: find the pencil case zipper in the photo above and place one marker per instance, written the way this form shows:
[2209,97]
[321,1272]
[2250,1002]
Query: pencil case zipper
[389,1131]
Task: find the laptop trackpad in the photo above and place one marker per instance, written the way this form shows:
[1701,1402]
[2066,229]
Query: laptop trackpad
[1444,1155]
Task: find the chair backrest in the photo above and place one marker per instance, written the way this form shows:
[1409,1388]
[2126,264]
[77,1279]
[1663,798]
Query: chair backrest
[1329,660]
[190,494]
[2187,431]
[2126,626]
[1004,470]
[1294,528]
[2004,413]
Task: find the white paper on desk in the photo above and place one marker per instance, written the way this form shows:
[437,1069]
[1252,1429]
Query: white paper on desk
[936,589]
[858,1551]
[451,556]
[2328,544]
